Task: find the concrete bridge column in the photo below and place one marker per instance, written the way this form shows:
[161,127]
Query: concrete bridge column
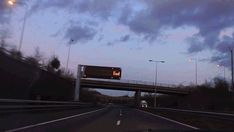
[137,98]
[77,88]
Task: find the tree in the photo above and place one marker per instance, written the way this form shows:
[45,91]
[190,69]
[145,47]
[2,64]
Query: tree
[221,85]
[15,53]
[38,55]
[53,64]
[66,73]
[36,58]
[4,34]
[2,43]
[33,61]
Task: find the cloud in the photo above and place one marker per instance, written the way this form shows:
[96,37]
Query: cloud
[80,34]
[98,8]
[195,44]
[149,18]
[124,38]
[110,43]
[221,59]
[225,44]
[100,38]
[210,17]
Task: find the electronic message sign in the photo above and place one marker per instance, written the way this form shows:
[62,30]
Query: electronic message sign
[101,72]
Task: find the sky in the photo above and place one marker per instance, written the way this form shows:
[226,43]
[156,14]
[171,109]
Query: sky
[126,34]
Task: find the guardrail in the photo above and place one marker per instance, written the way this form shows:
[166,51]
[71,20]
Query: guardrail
[223,116]
[199,112]
[38,101]
[17,105]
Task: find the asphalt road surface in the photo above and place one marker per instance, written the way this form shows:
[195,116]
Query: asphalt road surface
[109,119]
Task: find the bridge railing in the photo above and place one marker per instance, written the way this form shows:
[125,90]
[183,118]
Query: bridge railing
[135,82]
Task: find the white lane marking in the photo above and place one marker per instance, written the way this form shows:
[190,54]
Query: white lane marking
[120,112]
[118,122]
[202,112]
[169,120]
[52,121]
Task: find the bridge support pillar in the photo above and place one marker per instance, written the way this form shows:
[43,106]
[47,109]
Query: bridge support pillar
[137,98]
[77,88]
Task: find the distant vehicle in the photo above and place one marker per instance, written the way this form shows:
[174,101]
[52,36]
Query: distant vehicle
[144,104]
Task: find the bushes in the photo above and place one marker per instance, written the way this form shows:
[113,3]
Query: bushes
[214,96]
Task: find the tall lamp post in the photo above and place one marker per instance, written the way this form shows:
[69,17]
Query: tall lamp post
[219,66]
[156,76]
[12,3]
[195,60]
[69,50]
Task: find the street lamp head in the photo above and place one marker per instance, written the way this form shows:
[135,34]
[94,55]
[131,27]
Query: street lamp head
[11,2]
[150,60]
[162,61]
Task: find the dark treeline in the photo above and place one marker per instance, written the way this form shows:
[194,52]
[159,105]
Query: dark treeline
[214,96]
[88,95]
[28,78]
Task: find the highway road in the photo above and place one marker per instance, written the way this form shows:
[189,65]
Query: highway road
[109,119]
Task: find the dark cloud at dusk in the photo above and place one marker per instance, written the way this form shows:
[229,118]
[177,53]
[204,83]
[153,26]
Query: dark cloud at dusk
[79,34]
[98,8]
[125,38]
[209,17]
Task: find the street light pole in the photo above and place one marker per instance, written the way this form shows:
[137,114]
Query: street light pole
[232,75]
[69,50]
[155,89]
[156,79]
[23,28]
[68,56]
[196,70]
[195,60]
[11,2]
[224,76]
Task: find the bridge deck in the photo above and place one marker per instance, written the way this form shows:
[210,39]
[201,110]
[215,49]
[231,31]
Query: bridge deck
[131,86]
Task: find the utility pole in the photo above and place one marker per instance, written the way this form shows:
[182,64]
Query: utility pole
[232,74]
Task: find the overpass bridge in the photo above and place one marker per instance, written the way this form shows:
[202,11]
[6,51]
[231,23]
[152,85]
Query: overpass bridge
[131,85]
[86,75]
